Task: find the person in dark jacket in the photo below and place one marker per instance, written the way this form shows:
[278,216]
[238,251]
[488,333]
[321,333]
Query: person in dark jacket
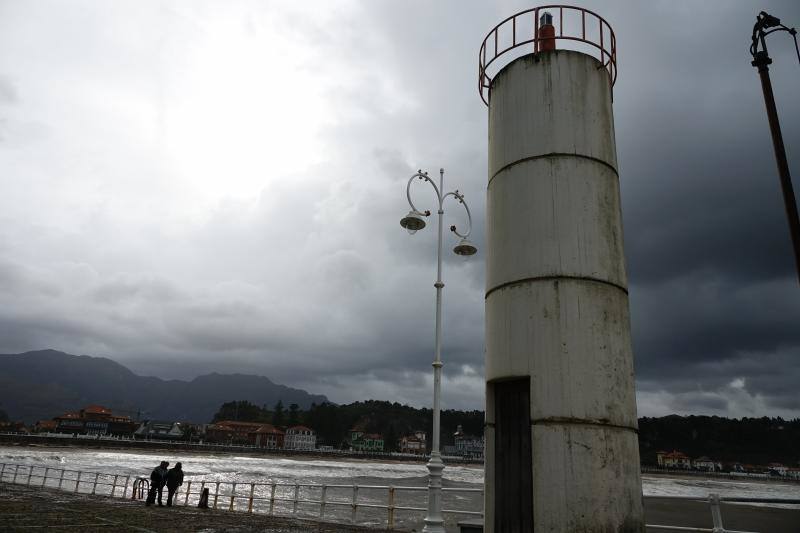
[174,480]
[158,477]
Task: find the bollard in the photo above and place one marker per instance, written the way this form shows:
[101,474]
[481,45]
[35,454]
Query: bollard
[203,503]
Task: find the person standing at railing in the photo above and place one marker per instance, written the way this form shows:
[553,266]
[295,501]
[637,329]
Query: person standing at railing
[158,478]
[174,480]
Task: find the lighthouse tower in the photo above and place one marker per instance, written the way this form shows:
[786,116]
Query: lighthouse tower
[561,435]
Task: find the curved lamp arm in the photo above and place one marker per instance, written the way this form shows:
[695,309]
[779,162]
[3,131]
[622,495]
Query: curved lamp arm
[460,197]
[423,176]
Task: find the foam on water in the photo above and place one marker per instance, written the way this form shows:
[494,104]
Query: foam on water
[225,468]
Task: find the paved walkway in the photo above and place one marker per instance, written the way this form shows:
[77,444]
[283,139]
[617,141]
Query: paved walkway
[28,509]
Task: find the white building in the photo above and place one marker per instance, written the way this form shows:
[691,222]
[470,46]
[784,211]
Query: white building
[300,438]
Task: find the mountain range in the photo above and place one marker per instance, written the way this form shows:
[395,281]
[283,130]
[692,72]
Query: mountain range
[46,383]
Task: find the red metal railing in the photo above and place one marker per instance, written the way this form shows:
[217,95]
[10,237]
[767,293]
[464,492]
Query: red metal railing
[520,28]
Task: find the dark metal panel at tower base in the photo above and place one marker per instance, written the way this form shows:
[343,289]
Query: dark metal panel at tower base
[513,495]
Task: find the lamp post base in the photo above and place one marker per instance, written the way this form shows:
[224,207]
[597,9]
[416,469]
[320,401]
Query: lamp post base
[434,523]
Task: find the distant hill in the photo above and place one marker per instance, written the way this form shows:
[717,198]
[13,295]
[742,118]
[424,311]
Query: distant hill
[43,384]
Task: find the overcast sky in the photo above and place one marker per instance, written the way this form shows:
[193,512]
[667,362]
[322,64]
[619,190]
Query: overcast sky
[188,187]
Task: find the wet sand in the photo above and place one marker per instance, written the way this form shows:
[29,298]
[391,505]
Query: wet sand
[25,508]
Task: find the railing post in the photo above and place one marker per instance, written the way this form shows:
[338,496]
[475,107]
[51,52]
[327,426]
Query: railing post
[16,470]
[78,482]
[94,486]
[354,504]
[294,500]
[44,479]
[716,513]
[322,501]
[30,472]
[250,499]
[188,490]
[272,499]
[2,472]
[233,495]
[114,486]
[61,479]
[390,509]
[125,490]
[216,495]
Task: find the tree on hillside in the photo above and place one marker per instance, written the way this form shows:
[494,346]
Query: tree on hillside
[294,414]
[242,411]
[278,417]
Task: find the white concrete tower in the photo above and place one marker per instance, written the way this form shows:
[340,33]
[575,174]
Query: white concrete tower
[562,452]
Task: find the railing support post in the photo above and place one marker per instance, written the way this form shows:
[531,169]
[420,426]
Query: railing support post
[354,504]
[322,501]
[78,482]
[94,486]
[2,472]
[61,479]
[294,500]
[125,490]
[44,479]
[250,499]
[390,509]
[16,470]
[114,485]
[716,513]
[272,499]
[233,496]
[188,490]
[216,495]
[30,473]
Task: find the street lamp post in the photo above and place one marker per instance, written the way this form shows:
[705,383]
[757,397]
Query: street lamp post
[414,221]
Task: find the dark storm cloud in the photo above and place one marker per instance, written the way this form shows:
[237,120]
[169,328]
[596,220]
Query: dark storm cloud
[122,233]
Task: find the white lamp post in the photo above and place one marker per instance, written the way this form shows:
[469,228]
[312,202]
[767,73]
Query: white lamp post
[414,221]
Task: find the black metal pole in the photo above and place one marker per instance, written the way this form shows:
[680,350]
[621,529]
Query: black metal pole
[762,61]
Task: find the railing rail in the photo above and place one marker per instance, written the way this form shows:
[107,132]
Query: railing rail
[522,29]
[309,500]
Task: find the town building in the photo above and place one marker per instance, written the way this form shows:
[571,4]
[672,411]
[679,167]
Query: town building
[777,469]
[704,463]
[300,438]
[468,446]
[159,430]
[673,459]
[416,443]
[365,442]
[257,434]
[94,420]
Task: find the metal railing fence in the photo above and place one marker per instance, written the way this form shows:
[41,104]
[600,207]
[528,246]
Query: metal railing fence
[375,505]
[356,504]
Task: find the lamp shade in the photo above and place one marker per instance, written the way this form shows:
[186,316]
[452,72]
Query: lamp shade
[413,221]
[464,247]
